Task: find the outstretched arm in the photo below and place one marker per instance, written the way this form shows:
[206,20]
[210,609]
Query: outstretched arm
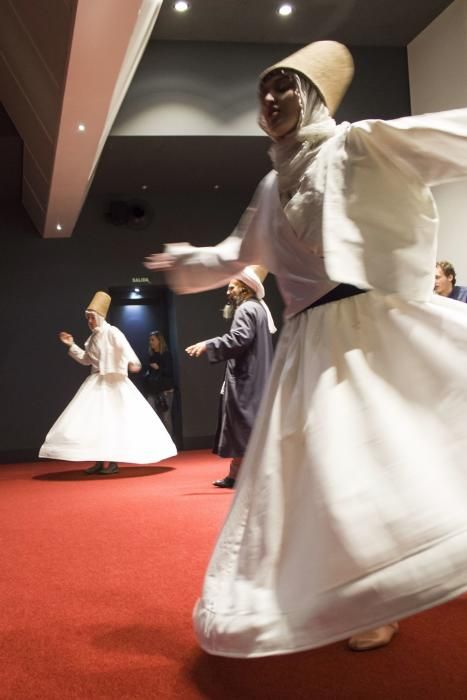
[191,269]
[231,344]
[196,269]
[74,351]
[433,146]
[237,340]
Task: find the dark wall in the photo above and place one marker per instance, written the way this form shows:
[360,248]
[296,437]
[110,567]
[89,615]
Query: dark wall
[46,284]
[217,84]
[380,88]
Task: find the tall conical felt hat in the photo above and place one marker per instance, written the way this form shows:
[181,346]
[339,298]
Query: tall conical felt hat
[260,271]
[100,303]
[328,64]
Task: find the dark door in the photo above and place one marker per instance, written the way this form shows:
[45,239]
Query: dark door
[136,314]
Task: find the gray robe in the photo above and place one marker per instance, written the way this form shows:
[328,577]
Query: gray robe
[248,350]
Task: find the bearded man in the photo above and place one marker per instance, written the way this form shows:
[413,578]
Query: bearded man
[247,350]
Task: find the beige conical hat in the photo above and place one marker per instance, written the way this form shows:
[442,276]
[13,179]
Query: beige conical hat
[328,64]
[100,303]
[260,271]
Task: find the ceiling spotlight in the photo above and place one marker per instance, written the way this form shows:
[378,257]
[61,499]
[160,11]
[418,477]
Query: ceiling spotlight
[58,227]
[181,6]
[216,187]
[285,10]
[81,127]
[144,187]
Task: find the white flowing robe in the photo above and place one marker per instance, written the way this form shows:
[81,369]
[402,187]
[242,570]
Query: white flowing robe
[351,509]
[106,350]
[108,419]
[365,205]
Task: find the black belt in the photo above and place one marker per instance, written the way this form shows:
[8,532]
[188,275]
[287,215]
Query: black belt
[342,291]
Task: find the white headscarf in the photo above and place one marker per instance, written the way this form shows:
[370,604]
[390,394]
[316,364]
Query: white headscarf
[292,154]
[100,320]
[249,277]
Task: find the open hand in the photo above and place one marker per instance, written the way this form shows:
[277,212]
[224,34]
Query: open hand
[160,261]
[66,338]
[197,349]
[163,261]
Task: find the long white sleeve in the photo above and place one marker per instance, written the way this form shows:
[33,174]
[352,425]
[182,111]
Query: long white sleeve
[200,268]
[203,268]
[79,355]
[434,146]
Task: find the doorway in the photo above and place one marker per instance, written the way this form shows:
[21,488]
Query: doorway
[138,310]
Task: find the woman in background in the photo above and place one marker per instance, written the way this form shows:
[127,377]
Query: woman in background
[159,381]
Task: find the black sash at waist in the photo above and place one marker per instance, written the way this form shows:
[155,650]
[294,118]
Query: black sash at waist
[342,291]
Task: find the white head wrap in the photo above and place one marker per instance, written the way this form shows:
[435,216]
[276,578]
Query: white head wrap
[249,277]
[293,154]
[99,319]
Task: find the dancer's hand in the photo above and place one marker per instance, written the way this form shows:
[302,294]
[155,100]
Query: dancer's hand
[197,349]
[162,261]
[133,367]
[66,338]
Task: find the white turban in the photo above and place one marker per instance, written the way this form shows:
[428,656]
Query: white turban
[249,277]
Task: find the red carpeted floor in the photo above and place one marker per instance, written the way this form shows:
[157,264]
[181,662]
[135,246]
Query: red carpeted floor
[98,576]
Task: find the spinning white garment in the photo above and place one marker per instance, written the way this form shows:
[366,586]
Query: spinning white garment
[108,419]
[351,506]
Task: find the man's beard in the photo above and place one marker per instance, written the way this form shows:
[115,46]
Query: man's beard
[228,310]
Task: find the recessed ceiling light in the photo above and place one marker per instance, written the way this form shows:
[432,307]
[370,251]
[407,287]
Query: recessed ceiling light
[144,187]
[181,6]
[58,227]
[81,127]
[285,10]
[216,187]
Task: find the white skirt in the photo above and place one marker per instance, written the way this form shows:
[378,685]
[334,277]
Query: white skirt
[108,419]
[351,507]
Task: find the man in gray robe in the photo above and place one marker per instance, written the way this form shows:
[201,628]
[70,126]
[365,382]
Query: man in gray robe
[247,349]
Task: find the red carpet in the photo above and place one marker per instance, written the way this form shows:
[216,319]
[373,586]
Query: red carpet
[98,577]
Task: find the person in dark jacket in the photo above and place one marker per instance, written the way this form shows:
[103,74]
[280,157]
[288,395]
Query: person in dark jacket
[247,349]
[159,379]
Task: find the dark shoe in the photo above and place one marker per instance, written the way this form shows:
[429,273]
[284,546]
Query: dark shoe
[111,469]
[95,469]
[226,483]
